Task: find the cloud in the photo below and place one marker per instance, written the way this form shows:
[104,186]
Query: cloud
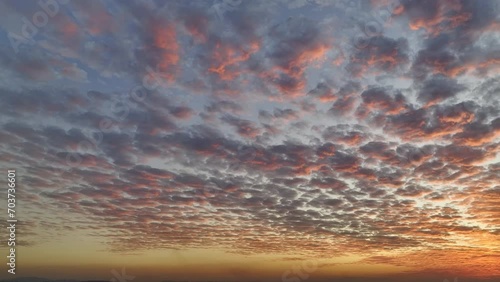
[323,92]
[245,128]
[381,54]
[438,88]
[254,140]
[295,44]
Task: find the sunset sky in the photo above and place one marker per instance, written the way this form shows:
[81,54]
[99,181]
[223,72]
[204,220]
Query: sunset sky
[242,140]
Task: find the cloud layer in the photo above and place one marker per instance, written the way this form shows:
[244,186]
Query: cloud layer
[260,127]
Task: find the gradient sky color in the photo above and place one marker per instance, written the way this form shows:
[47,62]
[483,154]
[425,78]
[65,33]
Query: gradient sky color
[238,140]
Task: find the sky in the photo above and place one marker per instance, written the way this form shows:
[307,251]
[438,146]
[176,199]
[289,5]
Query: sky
[238,140]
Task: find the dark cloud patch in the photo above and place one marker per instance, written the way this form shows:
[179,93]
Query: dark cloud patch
[383,100]
[437,89]
[347,99]
[477,134]
[323,92]
[343,106]
[436,58]
[460,18]
[224,106]
[408,125]
[379,150]
[196,22]
[243,127]
[381,54]
[199,140]
[294,44]
[287,114]
[344,134]
[181,112]
[454,29]
[344,162]
[462,155]
[150,122]
[325,150]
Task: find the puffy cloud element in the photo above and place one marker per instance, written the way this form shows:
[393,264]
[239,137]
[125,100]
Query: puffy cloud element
[434,17]
[227,57]
[287,114]
[454,48]
[323,92]
[413,191]
[378,150]
[181,112]
[461,114]
[438,88]
[328,183]
[477,134]
[244,128]
[347,101]
[409,125]
[345,134]
[381,54]
[452,64]
[464,16]
[462,155]
[196,23]
[278,116]
[327,149]
[441,57]
[163,51]
[344,105]
[383,100]
[344,162]
[295,44]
